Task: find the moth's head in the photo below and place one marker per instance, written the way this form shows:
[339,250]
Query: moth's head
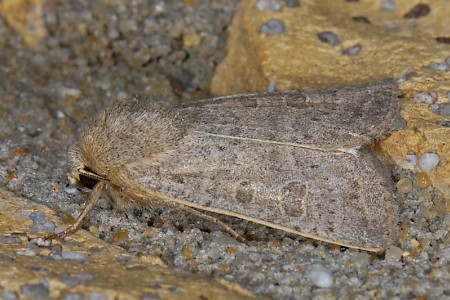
[79,173]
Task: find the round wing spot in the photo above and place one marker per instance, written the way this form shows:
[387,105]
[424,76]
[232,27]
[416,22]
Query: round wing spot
[292,198]
[244,192]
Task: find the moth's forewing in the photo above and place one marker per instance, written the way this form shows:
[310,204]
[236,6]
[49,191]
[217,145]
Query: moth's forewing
[280,160]
[330,196]
[332,118]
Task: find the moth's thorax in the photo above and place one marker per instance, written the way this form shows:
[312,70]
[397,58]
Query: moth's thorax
[122,135]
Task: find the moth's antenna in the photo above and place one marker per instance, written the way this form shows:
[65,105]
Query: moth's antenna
[96,191]
[91,175]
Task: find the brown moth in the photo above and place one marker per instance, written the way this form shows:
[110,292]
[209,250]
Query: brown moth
[298,161]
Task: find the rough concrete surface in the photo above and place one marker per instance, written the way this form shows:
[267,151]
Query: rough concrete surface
[81,55]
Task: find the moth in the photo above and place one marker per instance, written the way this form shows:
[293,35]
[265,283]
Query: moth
[298,161]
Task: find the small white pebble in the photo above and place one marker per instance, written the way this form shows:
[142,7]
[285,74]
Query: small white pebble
[71,190]
[273,26]
[60,114]
[41,242]
[70,92]
[393,254]
[424,255]
[160,7]
[59,230]
[271,5]
[320,276]
[122,95]
[388,5]
[391,25]
[73,255]
[25,213]
[271,87]
[439,67]
[361,260]
[83,276]
[26,252]
[428,98]
[428,161]
[411,161]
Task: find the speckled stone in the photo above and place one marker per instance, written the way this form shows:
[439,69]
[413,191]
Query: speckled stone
[404,185]
[102,278]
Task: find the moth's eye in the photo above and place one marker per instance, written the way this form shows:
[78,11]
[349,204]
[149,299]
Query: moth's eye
[87,182]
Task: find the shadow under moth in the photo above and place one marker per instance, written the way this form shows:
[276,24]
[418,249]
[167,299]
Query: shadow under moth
[298,161]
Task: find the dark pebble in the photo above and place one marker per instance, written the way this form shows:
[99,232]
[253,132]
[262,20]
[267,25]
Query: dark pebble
[56,249]
[36,268]
[292,3]
[354,50]
[69,280]
[329,38]
[444,123]
[72,296]
[418,11]
[10,240]
[150,296]
[442,109]
[7,295]
[85,276]
[5,257]
[361,19]
[35,291]
[37,217]
[273,26]
[175,290]
[123,259]
[137,213]
[97,296]
[443,40]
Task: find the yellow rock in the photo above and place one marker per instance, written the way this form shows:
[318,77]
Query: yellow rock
[191,39]
[423,181]
[391,46]
[103,268]
[25,16]
[297,58]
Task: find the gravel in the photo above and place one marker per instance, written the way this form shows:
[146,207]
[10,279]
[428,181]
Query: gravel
[98,52]
[273,26]
[425,97]
[328,37]
[73,255]
[353,50]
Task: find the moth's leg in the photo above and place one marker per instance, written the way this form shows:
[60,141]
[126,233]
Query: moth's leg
[96,191]
[120,199]
[216,221]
